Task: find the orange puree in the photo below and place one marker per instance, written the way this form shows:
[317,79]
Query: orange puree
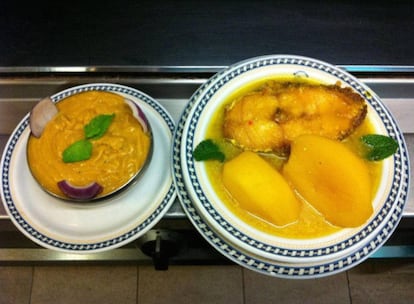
[116,157]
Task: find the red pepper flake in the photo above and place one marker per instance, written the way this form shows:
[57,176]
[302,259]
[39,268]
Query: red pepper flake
[250,122]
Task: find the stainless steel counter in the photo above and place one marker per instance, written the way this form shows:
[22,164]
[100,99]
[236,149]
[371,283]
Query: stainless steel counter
[20,89]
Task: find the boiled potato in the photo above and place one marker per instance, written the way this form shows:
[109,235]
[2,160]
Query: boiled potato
[330,177]
[260,189]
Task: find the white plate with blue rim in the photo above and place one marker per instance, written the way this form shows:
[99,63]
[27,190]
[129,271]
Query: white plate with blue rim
[219,226]
[85,228]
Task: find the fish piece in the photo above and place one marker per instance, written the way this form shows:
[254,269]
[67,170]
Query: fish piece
[272,117]
[329,111]
[249,123]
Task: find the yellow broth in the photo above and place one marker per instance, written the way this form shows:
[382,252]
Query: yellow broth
[310,224]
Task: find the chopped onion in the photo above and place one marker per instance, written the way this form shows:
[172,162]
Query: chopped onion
[138,114]
[41,114]
[80,192]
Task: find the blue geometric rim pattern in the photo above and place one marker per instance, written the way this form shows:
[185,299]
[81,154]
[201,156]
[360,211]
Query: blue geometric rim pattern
[91,246]
[396,198]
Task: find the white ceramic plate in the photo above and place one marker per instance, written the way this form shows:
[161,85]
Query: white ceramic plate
[92,227]
[191,130]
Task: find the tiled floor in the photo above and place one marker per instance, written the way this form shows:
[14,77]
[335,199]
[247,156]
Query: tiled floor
[371,282]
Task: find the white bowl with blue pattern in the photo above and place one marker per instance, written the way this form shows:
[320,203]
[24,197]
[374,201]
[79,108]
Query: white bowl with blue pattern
[219,226]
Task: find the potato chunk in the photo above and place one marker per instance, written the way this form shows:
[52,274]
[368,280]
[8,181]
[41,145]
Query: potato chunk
[331,178]
[260,189]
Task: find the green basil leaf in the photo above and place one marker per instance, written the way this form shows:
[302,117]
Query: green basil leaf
[97,127]
[78,151]
[379,146]
[208,150]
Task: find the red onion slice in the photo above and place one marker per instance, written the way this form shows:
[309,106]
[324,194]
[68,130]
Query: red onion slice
[41,114]
[80,192]
[138,114]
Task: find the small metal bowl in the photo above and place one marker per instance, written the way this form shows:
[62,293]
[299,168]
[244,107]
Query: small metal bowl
[136,107]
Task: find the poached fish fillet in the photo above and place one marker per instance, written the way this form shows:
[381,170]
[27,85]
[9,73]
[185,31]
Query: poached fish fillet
[269,119]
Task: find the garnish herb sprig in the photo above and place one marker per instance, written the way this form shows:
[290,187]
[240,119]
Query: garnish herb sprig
[378,147]
[82,149]
[208,150]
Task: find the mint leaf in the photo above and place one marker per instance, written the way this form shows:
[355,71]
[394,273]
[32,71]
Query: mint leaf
[97,127]
[379,146]
[207,150]
[82,149]
[78,151]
